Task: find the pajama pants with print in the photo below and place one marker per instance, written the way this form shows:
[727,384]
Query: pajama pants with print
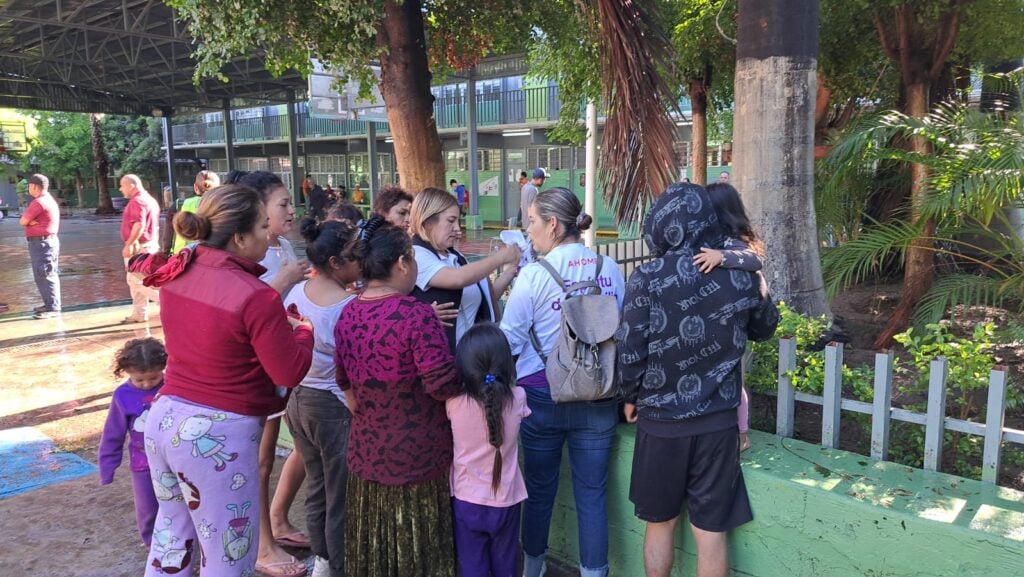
[204,464]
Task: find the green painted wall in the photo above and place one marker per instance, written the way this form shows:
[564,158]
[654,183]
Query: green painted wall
[820,512]
[490,206]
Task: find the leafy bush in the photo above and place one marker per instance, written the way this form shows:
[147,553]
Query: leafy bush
[809,375]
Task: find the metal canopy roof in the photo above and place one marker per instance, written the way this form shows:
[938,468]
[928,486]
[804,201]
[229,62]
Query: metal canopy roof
[115,56]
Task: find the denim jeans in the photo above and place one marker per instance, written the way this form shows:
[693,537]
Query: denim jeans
[589,429]
[320,425]
[44,253]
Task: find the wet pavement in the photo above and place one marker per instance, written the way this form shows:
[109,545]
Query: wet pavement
[91,267]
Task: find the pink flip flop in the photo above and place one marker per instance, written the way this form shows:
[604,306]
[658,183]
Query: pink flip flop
[298,540]
[280,569]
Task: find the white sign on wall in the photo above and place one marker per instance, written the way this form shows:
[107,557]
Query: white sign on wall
[489,187]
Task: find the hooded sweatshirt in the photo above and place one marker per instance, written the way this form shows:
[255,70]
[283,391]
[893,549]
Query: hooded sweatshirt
[683,332]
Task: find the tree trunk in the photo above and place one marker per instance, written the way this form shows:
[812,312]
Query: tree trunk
[822,104]
[99,159]
[918,273]
[699,131]
[405,87]
[80,189]
[776,82]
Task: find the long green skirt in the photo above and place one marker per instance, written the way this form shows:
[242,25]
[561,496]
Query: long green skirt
[398,531]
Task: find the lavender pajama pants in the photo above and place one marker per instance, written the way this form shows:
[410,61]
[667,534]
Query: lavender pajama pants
[204,466]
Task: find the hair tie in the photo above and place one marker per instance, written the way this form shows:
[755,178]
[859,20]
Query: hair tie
[367,227]
[579,218]
[489,379]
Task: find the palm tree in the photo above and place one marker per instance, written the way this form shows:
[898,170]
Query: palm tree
[975,180]
[773,142]
[104,205]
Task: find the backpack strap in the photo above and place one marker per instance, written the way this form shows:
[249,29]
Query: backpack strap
[534,339]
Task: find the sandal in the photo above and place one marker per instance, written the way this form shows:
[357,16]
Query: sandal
[280,569]
[296,540]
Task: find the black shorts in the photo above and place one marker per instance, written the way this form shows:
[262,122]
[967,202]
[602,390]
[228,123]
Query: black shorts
[702,471]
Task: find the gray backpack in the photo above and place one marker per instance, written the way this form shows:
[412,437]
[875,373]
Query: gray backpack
[582,364]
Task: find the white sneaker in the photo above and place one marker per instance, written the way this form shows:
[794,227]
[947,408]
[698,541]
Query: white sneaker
[321,568]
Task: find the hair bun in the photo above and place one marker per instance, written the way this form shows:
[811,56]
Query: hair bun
[583,221]
[192,226]
[309,228]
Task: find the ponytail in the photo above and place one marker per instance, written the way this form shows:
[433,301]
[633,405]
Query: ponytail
[495,397]
[485,363]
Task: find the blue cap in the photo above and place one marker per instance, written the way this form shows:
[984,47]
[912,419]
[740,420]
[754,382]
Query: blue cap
[539,173]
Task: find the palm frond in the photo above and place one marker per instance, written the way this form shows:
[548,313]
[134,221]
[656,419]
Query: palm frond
[958,289]
[637,145]
[859,258]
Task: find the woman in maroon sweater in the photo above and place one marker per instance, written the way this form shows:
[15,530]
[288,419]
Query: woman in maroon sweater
[228,342]
[392,360]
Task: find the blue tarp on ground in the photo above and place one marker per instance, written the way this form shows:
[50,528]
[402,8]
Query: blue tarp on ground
[29,460]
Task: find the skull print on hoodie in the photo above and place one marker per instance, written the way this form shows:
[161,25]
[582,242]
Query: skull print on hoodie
[684,332]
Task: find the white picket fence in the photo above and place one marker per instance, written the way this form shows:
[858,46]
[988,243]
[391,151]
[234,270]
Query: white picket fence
[883,413]
[634,252]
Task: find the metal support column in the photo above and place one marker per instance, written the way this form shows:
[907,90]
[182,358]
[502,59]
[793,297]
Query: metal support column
[169,143]
[229,135]
[471,141]
[293,150]
[590,177]
[371,148]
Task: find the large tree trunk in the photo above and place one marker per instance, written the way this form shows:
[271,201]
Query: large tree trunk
[99,159]
[921,59]
[405,87]
[919,273]
[80,189]
[699,131]
[776,72]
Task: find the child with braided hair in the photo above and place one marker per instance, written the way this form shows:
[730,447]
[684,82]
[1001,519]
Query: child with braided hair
[485,479]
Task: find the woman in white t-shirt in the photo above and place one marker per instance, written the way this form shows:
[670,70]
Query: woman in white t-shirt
[555,222]
[444,275]
[284,270]
[317,409]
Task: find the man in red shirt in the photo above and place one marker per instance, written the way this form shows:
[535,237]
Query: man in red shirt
[140,231]
[41,220]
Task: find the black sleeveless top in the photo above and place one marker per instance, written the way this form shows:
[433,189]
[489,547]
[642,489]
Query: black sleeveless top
[442,295]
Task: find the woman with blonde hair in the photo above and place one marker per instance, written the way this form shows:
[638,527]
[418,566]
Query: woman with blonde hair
[445,276]
[205,180]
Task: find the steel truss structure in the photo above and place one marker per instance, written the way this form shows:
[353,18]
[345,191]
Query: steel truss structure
[128,57]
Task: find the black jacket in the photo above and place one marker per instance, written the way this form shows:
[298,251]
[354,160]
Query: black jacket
[683,332]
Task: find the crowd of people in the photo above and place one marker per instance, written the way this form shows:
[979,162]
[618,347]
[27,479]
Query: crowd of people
[413,393]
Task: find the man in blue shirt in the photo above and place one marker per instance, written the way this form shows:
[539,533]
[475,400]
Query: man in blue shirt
[459,190]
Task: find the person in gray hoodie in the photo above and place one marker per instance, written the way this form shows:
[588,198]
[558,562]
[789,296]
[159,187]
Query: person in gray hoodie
[679,347]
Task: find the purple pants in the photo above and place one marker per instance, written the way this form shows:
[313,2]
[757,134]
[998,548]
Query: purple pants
[204,464]
[486,539]
[145,504]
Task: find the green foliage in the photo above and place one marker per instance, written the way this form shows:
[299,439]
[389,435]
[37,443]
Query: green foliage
[702,49]
[568,54]
[976,173]
[809,375]
[132,145]
[61,147]
[969,359]
[346,35]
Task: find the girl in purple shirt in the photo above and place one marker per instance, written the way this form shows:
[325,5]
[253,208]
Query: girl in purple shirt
[143,360]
